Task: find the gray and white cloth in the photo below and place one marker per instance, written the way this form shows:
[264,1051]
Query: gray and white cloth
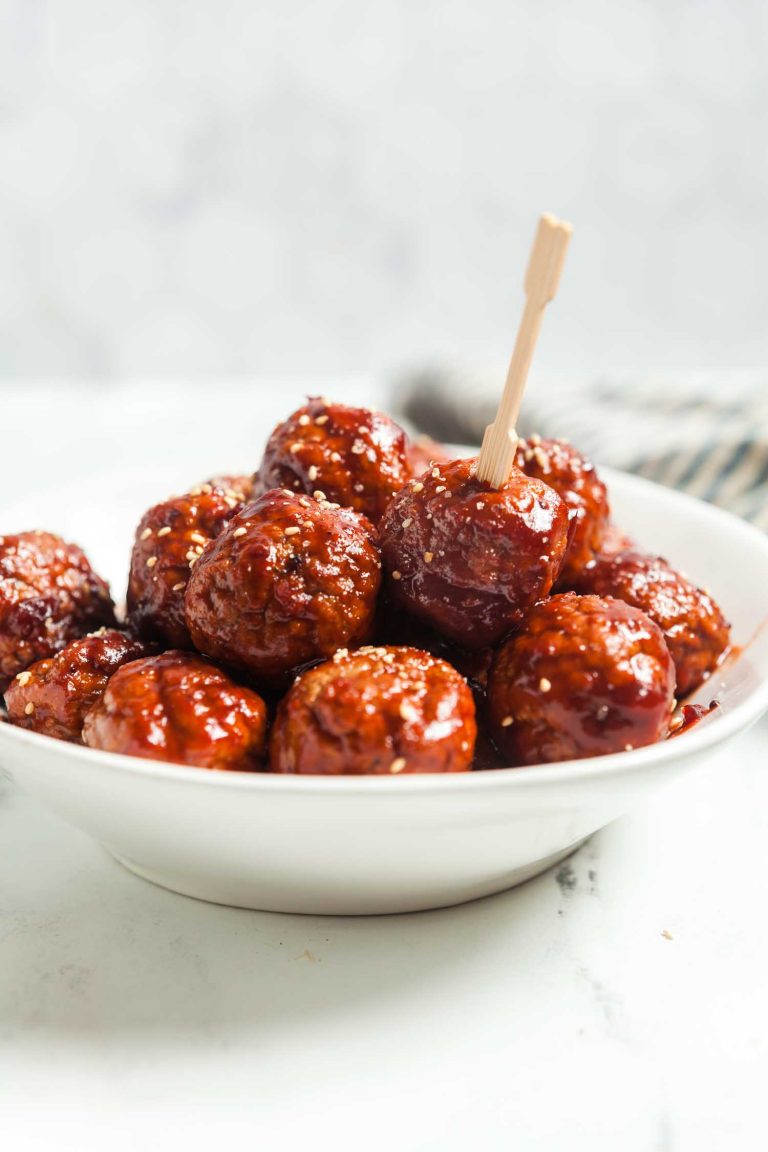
[704,433]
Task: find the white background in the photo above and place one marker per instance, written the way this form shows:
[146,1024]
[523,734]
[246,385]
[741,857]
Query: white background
[193,188]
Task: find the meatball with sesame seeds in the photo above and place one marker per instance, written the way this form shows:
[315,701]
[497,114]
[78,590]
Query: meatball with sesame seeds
[169,540]
[182,709]
[355,456]
[239,488]
[470,559]
[424,453]
[695,629]
[53,695]
[377,711]
[287,582]
[49,595]
[573,477]
[585,676]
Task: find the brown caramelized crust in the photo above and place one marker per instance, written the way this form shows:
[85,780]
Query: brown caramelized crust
[573,477]
[49,595]
[585,676]
[695,629]
[182,709]
[468,558]
[289,580]
[168,541]
[354,456]
[377,711]
[53,695]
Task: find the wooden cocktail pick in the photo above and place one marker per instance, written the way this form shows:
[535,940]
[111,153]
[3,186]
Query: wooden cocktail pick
[545,265]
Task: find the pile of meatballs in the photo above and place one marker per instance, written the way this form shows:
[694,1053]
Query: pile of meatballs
[363,604]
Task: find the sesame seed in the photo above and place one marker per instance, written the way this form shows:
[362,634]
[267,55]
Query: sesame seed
[295,447]
[29,709]
[304,502]
[340,653]
[231,501]
[359,487]
[418,486]
[151,561]
[178,587]
[239,532]
[628,747]
[336,457]
[24,678]
[397,575]
[440,488]
[192,560]
[312,472]
[206,489]
[480,505]
[291,531]
[436,473]
[507,721]
[398,764]
[330,504]
[428,557]
[362,429]
[407,711]
[407,522]
[321,420]
[304,420]
[544,684]
[358,447]
[199,549]
[191,555]
[198,538]
[146,534]
[318,495]
[164,531]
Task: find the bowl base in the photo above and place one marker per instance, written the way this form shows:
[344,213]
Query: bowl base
[361,903]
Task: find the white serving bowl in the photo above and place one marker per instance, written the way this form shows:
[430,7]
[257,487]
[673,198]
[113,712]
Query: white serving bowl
[372,844]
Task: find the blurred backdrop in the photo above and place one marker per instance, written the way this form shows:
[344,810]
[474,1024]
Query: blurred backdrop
[194,189]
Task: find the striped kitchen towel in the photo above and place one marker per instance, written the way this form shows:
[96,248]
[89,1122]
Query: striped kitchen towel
[704,433]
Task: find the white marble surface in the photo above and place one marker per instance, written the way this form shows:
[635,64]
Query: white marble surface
[557,1016]
[193,188]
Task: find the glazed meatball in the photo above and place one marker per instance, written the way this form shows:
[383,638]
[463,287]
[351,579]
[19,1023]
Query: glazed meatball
[468,558]
[585,676]
[695,629]
[239,488]
[377,711]
[53,695]
[168,541]
[288,581]
[423,453]
[574,478]
[179,708]
[49,595]
[615,540]
[354,456]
